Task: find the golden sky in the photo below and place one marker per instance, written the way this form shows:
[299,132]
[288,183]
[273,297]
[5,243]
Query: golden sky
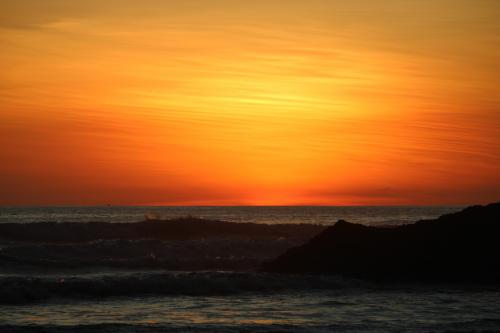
[263,102]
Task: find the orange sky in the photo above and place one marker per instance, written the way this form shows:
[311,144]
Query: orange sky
[230,102]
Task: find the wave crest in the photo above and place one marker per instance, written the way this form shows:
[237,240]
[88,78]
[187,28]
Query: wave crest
[21,289]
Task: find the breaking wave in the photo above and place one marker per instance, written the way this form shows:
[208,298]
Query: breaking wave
[178,229]
[180,244]
[23,289]
[201,254]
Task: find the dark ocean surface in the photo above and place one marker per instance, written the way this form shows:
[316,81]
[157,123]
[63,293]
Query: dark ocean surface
[371,215]
[211,283]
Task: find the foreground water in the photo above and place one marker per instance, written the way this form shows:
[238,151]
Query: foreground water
[335,307]
[134,285]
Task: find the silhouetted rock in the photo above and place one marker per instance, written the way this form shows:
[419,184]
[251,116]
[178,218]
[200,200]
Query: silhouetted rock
[459,247]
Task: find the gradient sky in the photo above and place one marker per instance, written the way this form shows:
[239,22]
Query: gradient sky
[230,102]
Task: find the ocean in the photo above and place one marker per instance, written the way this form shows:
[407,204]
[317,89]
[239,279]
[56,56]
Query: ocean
[325,215]
[75,277]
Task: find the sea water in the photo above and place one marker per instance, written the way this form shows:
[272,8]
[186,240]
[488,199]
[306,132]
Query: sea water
[108,285]
[370,215]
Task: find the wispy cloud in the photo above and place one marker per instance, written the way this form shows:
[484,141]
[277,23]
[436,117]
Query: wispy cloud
[250,100]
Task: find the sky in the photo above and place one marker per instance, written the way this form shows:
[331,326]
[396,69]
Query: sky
[264,102]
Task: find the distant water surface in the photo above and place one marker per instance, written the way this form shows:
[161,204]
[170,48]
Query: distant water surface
[326,215]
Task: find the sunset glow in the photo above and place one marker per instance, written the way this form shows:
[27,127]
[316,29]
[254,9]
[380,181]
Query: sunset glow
[249,102]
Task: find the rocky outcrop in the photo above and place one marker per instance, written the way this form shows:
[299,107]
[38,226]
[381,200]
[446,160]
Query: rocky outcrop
[459,247]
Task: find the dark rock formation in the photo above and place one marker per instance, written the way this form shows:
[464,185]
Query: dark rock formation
[459,247]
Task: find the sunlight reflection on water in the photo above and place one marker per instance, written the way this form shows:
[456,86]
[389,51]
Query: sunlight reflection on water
[356,309]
